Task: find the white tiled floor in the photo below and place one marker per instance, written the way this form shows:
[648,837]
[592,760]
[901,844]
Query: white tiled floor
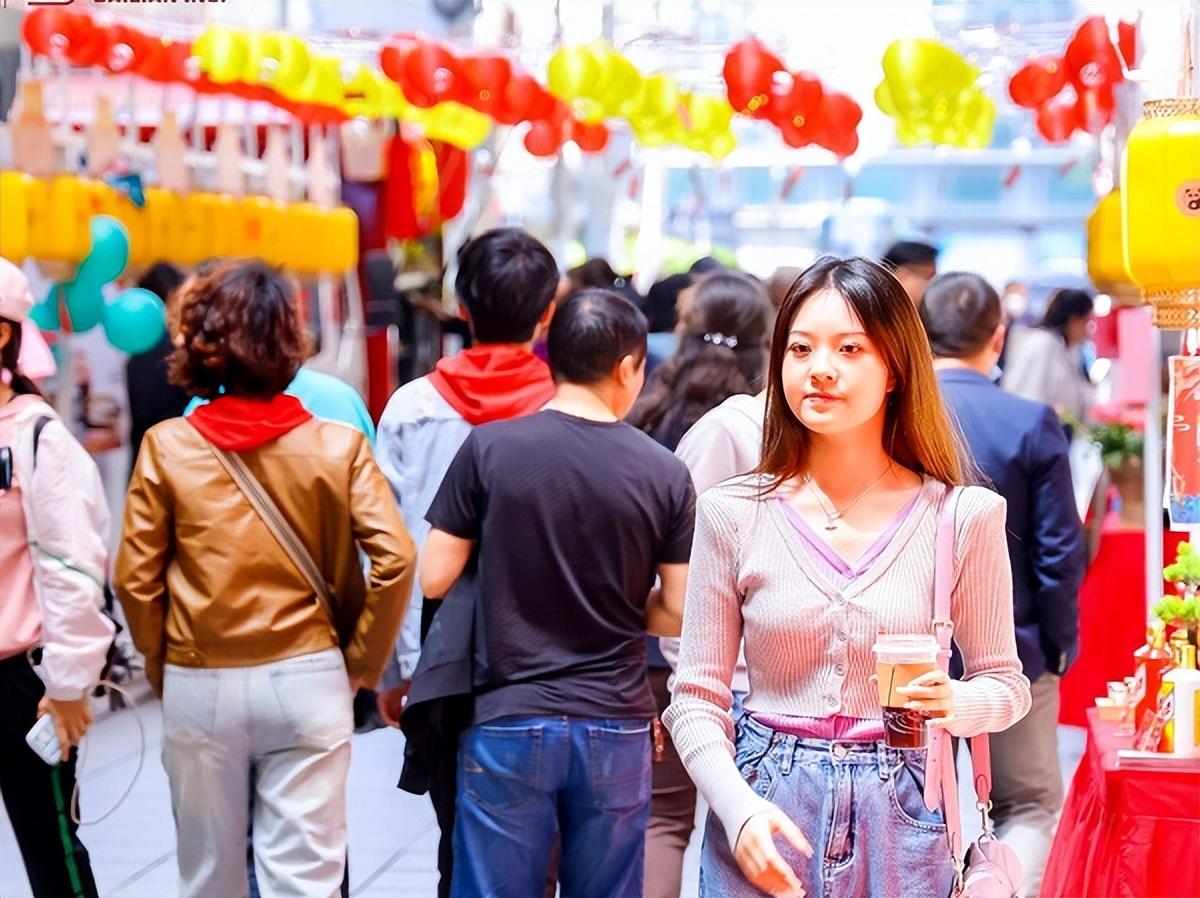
[393,835]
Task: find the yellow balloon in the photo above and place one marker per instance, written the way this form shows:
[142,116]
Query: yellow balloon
[918,70]
[134,220]
[300,237]
[322,83]
[659,98]
[340,253]
[279,61]
[223,53]
[66,220]
[260,227]
[721,145]
[37,202]
[572,72]
[620,84]
[457,124]
[226,214]
[14,215]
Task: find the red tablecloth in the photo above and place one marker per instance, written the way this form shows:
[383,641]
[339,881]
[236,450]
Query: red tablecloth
[1112,617]
[1125,832]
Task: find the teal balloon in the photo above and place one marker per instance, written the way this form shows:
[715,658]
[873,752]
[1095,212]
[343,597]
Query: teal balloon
[45,313]
[134,322]
[85,304]
[109,254]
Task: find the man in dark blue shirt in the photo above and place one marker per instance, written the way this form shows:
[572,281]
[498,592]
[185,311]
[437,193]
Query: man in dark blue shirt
[1019,446]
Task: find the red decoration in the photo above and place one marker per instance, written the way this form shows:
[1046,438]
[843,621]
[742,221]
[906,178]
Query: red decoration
[750,69]
[591,138]
[543,138]
[1057,120]
[433,75]
[452,167]
[60,34]
[1038,81]
[1127,41]
[487,75]
[1091,65]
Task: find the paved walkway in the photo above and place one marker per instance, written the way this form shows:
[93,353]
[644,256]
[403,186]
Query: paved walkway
[393,835]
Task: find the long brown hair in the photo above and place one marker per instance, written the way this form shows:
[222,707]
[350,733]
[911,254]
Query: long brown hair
[917,431]
[9,358]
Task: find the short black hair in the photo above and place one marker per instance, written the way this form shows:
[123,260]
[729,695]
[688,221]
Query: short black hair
[961,312]
[909,252]
[161,279]
[659,304]
[1065,305]
[506,280]
[706,265]
[591,332]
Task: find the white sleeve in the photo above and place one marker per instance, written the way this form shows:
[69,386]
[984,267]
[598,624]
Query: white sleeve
[67,522]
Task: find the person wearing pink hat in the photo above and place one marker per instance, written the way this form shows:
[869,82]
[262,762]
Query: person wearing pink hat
[54,637]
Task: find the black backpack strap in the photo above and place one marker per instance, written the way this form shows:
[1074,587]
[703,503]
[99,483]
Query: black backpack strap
[38,426]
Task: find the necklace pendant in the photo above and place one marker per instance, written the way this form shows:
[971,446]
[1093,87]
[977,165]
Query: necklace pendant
[831,523]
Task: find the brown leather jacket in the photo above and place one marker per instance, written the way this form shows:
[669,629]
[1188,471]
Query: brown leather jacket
[204,583]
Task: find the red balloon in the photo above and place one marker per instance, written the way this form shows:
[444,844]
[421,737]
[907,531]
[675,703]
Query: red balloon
[749,71]
[798,101]
[1038,81]
[838,122]
[432,75]
[1094,108]
[544,138]
[591,137]
[1127,41]
[167,61]
[486,76]
[394,54]
[1058,119]
[1091,58]
[63,35]
[125,48]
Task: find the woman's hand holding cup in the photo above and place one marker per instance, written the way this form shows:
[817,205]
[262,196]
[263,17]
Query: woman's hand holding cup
[931,694]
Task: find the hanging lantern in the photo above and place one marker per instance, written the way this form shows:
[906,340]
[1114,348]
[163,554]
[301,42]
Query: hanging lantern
[1160,210]
[1106,250]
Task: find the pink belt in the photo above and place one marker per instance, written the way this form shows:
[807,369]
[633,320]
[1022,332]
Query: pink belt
[831,729]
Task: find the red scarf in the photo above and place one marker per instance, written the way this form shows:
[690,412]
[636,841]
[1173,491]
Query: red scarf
[493,382]
[235,423]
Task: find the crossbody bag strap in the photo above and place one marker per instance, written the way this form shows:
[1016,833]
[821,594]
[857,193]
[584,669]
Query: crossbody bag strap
[283,532]
[941,787]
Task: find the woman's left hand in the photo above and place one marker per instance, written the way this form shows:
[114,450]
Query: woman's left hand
[930,693]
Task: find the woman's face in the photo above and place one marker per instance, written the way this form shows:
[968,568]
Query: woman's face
[834,378]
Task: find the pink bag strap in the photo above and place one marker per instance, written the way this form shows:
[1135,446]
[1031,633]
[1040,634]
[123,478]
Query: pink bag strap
[941,784]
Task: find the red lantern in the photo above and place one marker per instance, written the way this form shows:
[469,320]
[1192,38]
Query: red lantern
[1094,108]
[432,75]
[796,110]
[749,71]
[452,168]
[166,61]
[1038,81]
[1058,119]
[487,76]
[591,138]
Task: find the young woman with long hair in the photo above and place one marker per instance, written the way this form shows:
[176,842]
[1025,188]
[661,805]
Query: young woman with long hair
[722,352]
[830,543]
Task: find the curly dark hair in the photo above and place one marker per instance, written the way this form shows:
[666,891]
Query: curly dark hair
[706,370]
[238,331]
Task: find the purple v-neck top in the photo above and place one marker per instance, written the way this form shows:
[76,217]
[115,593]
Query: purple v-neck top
[840,573]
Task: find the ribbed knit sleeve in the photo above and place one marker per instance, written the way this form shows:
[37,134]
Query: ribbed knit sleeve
[993,693]
[698,717]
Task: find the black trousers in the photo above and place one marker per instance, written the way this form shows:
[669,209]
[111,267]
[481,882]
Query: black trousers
[37,796]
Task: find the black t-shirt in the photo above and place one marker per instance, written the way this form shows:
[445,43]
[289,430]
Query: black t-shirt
[572,518]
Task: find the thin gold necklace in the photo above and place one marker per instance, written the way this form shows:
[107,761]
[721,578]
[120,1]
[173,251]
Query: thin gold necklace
[832,517]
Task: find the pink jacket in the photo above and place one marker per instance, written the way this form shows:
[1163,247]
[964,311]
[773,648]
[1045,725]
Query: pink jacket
[54,592]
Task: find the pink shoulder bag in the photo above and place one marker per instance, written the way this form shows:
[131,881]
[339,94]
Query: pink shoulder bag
[990,869]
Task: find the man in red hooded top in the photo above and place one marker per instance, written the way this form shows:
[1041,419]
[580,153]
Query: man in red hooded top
[505,285]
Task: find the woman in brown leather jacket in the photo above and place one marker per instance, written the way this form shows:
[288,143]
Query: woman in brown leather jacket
[256,672]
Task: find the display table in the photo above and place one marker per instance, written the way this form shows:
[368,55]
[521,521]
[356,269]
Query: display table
[1112,616]
[1125,832]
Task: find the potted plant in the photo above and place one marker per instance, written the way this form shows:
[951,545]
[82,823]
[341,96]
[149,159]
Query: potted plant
[1182,611]
[1118,430]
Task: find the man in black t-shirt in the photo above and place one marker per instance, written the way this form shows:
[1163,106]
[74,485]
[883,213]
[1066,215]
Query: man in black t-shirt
[573,513]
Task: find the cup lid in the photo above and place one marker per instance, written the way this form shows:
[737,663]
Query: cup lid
[901,648]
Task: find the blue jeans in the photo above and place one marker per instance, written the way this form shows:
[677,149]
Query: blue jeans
[525,782]
[861,807]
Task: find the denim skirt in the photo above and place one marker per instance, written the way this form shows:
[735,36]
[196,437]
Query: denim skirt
[859,804]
